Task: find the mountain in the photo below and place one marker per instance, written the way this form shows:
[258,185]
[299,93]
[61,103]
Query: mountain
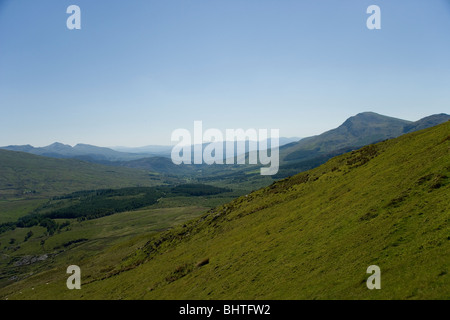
[59,148]
[104,155]
[357,131]
[295,157]
[166,150]
[165,165]
[25,148]
[156,150]
[310,236]
[427,122]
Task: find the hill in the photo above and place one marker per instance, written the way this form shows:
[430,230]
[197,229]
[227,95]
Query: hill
[311,236]
[426,122]
[157,164]
[357,131]
[24,174]
[80,151]
[164,151]
[103,155]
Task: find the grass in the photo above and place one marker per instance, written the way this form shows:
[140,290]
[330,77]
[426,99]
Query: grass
[100,242]
[311,236]
[24,175]
[13,209]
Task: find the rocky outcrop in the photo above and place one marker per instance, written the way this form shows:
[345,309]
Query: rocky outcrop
[27,260]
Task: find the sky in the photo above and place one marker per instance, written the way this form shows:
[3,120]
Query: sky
[139,69]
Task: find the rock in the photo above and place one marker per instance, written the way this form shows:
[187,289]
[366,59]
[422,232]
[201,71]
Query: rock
[26,260]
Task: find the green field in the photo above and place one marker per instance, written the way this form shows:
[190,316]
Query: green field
[100,242]
[13,209]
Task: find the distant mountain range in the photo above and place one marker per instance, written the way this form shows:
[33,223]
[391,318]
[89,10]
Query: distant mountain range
[166,150]
[296,154]
[80,151]
[357,131]
[155,149]
[101,154]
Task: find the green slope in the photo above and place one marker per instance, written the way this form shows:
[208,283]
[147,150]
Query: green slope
[26,174]
[26,180]
[311,236]
[97,244]
[357,131]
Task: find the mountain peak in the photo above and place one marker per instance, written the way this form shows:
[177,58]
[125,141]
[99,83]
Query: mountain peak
[83,145]
[368,113]
[369,118]
[373,117]
[58,145]
[359,130]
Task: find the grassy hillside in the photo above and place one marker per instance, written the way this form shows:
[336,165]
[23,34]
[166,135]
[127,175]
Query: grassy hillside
[26,180]
[100,243]
[26,174]
[357,131]
[93,153]
[61,228]
[311,236]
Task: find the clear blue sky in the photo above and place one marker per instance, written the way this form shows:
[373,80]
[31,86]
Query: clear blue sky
[137,70]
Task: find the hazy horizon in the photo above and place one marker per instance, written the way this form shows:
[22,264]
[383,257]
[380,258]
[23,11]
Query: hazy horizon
[117,147]
[172,143]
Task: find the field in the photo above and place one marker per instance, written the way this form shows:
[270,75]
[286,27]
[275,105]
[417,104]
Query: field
[100,242]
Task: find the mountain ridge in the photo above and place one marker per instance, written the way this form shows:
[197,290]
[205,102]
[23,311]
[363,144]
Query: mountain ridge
[357,131]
